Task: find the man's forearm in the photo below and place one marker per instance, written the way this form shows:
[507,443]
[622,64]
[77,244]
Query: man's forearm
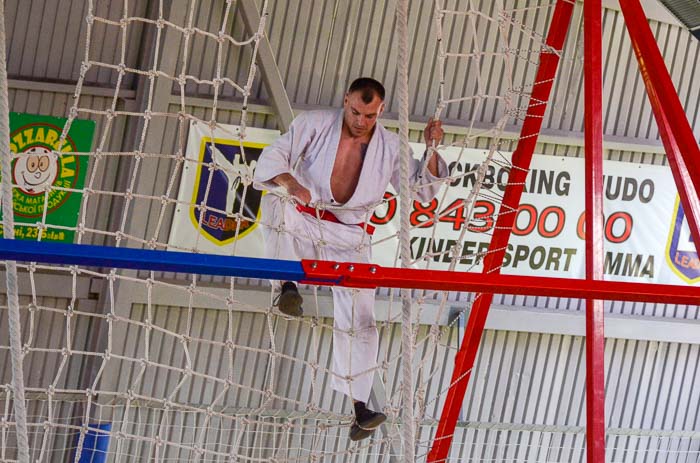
[293,187]
[284,180]
[433,164]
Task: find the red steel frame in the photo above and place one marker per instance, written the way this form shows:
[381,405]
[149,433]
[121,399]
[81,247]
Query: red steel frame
[593,143]
[358,275]
[684,158]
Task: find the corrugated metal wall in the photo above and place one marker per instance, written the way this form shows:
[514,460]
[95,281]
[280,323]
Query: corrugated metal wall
[522,379]
[529,384]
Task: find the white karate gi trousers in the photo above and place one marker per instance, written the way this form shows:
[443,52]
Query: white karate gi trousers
[293,235]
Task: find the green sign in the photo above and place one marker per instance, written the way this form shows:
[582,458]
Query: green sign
[37,171]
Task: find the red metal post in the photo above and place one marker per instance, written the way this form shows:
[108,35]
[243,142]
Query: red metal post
[593,137]
[677,135]
[464,360]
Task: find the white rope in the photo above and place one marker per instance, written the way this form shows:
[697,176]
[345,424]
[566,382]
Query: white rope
[307,426]
[187,373]
[405,154]
[8,223]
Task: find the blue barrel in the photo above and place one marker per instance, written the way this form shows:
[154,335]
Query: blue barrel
[95,444]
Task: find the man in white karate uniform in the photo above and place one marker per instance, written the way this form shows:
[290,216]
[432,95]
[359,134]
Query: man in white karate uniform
[335,166]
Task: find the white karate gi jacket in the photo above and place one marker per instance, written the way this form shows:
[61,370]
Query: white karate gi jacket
[307,151]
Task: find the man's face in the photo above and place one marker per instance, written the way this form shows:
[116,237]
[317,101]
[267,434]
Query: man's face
[360,117]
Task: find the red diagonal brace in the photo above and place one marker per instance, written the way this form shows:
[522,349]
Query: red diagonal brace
[464,360]
[677,135]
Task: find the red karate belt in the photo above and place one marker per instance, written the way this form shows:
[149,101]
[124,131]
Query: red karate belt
[330,217]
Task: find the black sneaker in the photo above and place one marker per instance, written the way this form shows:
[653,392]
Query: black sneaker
[357,433]
[289,301]
[369,420]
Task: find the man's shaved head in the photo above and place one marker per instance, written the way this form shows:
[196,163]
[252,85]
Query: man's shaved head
[368,88]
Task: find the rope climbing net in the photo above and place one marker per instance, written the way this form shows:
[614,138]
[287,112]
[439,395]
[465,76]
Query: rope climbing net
[172,365]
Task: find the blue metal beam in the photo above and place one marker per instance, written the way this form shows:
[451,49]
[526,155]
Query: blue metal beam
[348,274]
[144,259]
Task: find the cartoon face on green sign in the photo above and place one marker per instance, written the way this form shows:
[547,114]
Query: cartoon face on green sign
[45,180]
[35,173]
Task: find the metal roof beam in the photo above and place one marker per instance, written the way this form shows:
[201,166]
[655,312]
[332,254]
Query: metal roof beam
[268,66]
[69,88]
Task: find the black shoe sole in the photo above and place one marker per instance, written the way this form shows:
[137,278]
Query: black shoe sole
[373,423]
[290,303]
[357,433]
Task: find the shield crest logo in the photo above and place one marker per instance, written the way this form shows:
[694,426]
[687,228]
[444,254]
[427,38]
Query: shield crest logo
[225,205]
[681,253]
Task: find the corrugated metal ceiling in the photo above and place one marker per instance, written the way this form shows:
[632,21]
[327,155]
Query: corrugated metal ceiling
[687,11]
[319,53]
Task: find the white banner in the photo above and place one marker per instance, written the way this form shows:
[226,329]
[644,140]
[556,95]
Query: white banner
[647,236]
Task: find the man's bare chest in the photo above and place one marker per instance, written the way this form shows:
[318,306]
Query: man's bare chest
[347,168]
